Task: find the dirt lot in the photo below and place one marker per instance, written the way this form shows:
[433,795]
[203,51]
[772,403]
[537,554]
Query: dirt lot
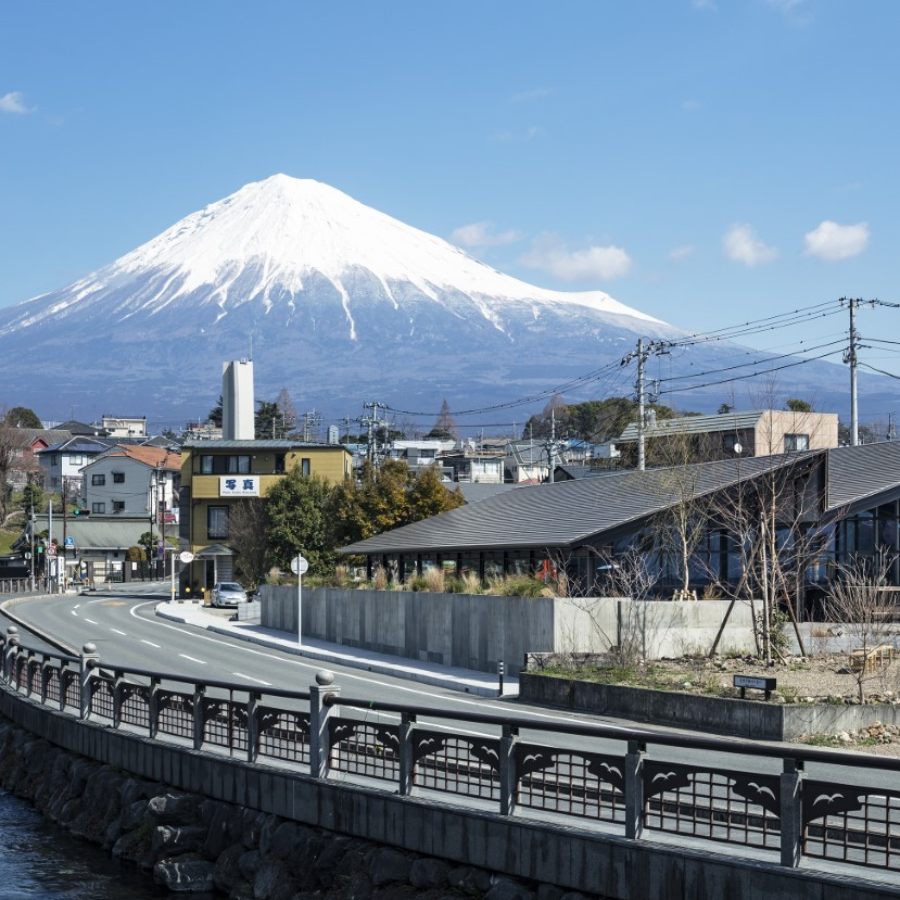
[825,678]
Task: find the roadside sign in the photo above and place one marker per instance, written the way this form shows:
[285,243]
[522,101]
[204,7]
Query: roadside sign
[51,550]
[186,556]
[299,565]
[70,541]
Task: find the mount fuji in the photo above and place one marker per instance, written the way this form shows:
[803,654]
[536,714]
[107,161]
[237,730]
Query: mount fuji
[340,303]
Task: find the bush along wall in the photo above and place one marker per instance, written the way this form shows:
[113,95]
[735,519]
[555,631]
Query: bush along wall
[194,845]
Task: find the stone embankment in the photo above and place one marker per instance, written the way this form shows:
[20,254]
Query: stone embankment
[196,845]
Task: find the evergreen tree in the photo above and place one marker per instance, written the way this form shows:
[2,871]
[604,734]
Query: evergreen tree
[445,427]
[297,509]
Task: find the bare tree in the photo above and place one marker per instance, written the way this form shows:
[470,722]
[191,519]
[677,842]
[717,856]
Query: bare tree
[248,530]
[855,603]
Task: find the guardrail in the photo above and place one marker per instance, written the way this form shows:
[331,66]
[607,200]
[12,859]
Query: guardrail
[782,814]
[17,585]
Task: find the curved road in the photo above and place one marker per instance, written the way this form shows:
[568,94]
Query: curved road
[123,626]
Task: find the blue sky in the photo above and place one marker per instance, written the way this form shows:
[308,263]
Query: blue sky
[706,161]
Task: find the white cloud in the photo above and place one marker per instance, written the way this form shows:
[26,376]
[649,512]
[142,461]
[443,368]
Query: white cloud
[831,241]
[588,265]
[480,234]
[527,96]
[741,244]
[12,103]
[690,105]
[679,254]
[711,5]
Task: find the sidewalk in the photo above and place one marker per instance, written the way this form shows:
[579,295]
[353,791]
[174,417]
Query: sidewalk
[468,681]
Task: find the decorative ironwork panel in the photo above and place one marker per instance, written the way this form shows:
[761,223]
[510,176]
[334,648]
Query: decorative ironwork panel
[72,684]
[136,705]
[283,735]
[176,714]
[102,704]
[457,764]
[859,825]
[570,782]
[225,724]
[33,676]
[716,804]
[53,685]
[364,748]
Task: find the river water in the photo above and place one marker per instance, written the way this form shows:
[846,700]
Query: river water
[39,861]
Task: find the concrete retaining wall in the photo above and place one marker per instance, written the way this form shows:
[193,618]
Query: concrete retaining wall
[743,718]
[580,859]
[476,631]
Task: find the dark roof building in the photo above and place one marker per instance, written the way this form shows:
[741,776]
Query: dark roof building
[851,496]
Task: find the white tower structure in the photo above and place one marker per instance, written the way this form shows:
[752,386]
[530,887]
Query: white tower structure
[237,401]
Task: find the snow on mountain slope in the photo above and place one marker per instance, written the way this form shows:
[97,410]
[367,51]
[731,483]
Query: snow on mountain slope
[282,230]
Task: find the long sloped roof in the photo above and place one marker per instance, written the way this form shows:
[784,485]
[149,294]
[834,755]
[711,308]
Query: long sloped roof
[729,422]
[554,515]
[858,473]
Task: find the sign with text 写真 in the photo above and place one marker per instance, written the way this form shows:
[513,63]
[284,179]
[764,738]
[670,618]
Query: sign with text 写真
[239,486]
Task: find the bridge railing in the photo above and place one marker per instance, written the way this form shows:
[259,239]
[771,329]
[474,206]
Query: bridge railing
[503,764]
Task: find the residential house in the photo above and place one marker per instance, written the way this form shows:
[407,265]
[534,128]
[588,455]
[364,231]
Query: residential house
[26,444]
[731,435]
[124,426]
[132,480]
[61,463]
[474,467]
[216,475]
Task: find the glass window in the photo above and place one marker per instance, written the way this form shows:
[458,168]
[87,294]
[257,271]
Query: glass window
[206,465]
[238,465]
[98,507]
[305,466]
[118,506]
[98,480]
[118,477]
[793,442]
[217,522]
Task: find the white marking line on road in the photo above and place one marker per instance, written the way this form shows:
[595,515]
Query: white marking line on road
[116,631]
[192,659]
[76,606]
[316,665]
[150,643]
[249,678]
[91,621]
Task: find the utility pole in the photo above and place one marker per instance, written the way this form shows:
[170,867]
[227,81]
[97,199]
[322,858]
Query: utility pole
[851,358]
[65,504]
[372,422]
[552,446]
[642,354]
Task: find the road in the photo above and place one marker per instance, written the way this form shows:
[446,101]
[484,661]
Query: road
[123,626]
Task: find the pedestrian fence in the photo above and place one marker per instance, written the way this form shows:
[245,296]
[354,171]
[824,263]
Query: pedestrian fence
[507,765]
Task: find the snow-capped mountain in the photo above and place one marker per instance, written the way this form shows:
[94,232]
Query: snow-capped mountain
[339,302]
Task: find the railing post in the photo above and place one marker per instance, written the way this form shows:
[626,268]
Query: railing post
[252,726]
[153,707]
[10,652]
[199,716]
[508,770]
[319,713]
[45,678]
[29,673]
[634,789]
[90,659]
[117,686]
[407,727]
[791,813]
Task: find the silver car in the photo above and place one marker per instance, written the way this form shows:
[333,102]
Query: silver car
[228,593]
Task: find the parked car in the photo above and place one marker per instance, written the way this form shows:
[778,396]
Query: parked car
[228,593]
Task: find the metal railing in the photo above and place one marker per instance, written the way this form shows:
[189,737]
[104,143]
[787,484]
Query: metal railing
[777,811]
[17,585]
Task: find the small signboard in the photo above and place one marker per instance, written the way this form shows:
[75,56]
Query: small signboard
[239,486]
[70,541]
[51,550]
[186,556]
[755,683]
[299,565]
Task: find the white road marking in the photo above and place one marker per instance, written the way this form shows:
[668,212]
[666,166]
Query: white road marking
[249,678]
[92,622]
[316,665]
[76,606]
[191,658]
[150,643]
[116,631]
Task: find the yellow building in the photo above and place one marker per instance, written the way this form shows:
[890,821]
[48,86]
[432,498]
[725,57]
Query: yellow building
[217,474]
